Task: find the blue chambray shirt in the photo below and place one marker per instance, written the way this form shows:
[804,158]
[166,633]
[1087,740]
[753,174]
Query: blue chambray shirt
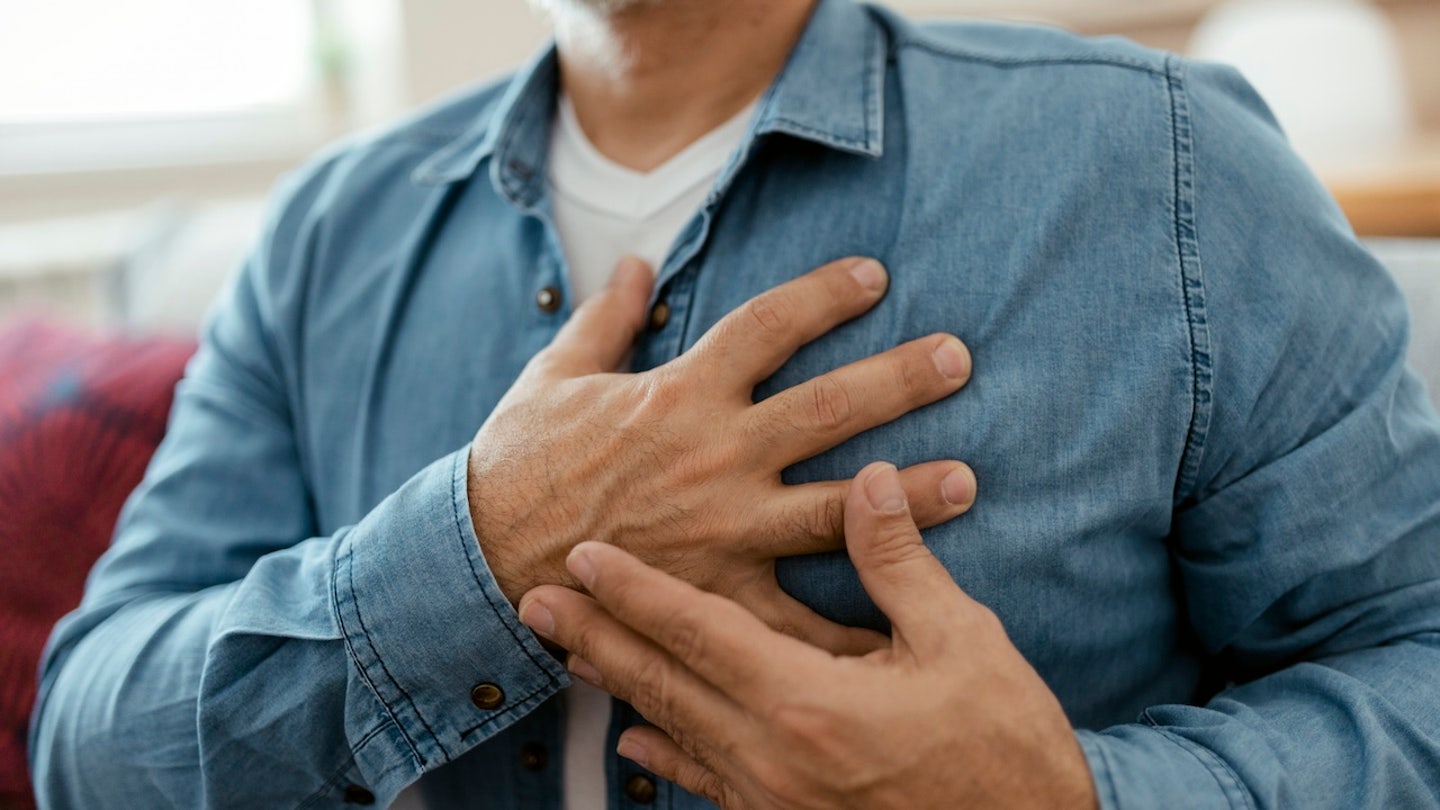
[1209,507]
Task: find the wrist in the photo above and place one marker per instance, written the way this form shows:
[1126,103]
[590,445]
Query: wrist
[502,550]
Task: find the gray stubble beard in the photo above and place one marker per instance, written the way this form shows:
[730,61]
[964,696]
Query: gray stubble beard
[593,6]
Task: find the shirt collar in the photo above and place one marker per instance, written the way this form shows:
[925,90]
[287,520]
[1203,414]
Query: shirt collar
[824,94]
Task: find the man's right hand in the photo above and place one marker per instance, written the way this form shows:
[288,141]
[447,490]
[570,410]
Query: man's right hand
[679,466]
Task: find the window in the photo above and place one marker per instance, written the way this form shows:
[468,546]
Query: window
[99,84]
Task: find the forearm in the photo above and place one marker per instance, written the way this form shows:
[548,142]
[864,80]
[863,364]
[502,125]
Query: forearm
[319,669]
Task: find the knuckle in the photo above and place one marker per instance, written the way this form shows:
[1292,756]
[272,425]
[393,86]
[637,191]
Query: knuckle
[623,592]
[683,637]
[804,722]
[766,314]
[897,543]
[776,780]
[830,403]
[546,362]
[987,620]
[789,626]
[916,373]
[653,692]
[827,520]
[578,639]
[707,784]
[659,396]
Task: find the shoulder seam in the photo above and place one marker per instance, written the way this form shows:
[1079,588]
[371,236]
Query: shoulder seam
[1192,280]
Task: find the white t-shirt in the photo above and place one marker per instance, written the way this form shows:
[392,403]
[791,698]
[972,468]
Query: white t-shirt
[603,212]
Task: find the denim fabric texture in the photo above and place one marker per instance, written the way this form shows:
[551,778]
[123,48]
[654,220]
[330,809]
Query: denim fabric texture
[1209,503]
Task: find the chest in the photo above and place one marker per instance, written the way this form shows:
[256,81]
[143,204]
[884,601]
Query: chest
[1074,420]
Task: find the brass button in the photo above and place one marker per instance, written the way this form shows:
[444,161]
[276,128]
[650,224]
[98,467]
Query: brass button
[548,299]
[534,757]
[487,696]
[354,794]
[659,316]
[640,789]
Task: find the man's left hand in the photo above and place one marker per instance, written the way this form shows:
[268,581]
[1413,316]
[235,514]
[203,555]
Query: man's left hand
[950,715]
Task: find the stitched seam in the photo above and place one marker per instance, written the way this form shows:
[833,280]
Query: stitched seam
[874,85]
[684,284]
[360,666]
[365,634]
[825,135]
[1191,285]
[519,707]
[946,49]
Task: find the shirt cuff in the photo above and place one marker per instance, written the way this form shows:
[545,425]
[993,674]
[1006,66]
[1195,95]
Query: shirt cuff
[1138,766]
[427,627]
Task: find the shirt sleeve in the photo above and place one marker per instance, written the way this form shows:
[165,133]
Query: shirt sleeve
[1307,533]
[225,656]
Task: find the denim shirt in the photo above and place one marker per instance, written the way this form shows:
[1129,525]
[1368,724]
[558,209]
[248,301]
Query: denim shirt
[1209,503]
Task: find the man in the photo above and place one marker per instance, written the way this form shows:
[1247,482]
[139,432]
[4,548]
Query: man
[1209,494]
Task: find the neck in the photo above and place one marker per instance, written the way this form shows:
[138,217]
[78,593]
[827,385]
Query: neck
[649,79]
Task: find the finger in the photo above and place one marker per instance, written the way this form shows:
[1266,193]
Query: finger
[610,656]
[786,614]
[598,336]
[904,579]
[811,517]
[818,414]
[653,750]
[752,342]
[718,639]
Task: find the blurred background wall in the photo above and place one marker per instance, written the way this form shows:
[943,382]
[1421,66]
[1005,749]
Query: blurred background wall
[138,138]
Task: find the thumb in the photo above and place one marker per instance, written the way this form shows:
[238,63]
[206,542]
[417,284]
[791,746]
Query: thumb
[600,333]
[904,579]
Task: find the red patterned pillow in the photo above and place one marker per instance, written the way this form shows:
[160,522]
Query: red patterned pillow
[80,416]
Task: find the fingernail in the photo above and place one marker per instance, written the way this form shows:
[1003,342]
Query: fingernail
[869,274]
[537,617]
[581,669]
[885,492]
[958,487]
[632,750]
[581,566]
[951,359]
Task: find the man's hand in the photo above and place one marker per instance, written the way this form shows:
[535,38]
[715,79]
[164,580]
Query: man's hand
[949,716]
[679,465]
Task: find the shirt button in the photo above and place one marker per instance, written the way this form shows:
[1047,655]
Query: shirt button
[548,299]
[487,696]
[534,757]
[640,789]
[659,316]
[354,794]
